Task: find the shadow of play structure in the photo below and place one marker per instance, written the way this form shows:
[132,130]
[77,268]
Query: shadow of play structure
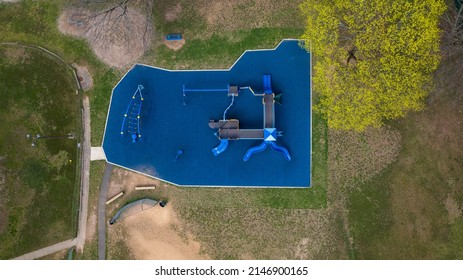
[229,129]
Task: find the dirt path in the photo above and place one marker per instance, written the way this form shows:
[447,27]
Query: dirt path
[83,210]
[102,212]
[48,250]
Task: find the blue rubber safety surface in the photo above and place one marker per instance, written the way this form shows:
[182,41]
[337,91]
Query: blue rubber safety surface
[171,122]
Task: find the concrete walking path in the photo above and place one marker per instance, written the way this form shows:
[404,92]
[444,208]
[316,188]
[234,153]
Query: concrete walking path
[85,177]
[102,211]
[48,250]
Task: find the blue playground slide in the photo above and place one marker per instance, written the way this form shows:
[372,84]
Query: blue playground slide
[221,147]
[281,150]
[267,84]
[255,150]
[263,146]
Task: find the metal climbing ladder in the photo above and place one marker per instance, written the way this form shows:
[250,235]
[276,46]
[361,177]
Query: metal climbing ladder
[132,120]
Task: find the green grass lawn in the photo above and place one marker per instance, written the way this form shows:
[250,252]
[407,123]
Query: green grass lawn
[42,183]
[220,50]
[413,209]
[35,23]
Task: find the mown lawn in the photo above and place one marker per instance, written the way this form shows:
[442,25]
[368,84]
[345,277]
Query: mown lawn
[42,183]
[35,23]
[220,50]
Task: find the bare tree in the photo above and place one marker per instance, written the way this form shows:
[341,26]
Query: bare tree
[447,78]
[452,26]
[125,23]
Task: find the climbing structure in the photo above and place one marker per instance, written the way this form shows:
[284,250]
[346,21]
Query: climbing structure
[229,129]
[131,121]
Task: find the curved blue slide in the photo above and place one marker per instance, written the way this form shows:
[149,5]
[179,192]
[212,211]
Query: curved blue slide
[255,150]
[267,81]
[281,150]
[221,147]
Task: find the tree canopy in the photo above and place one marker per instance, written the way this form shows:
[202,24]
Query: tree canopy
[374,59]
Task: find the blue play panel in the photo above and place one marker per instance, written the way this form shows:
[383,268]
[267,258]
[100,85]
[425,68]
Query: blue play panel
[249,126]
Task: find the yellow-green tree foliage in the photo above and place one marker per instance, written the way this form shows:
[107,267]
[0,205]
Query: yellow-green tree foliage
[373,58]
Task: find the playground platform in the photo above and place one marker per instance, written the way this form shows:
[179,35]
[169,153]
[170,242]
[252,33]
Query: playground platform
[187,114]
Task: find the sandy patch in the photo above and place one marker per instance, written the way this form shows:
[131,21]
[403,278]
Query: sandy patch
[118,37]
[174,45]
[154,235]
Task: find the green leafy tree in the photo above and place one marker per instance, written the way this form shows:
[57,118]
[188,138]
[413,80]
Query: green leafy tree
[374,59]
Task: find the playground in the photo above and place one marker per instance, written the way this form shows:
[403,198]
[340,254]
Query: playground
[213,127]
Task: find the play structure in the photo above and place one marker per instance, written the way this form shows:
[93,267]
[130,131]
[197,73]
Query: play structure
[132,120]
[229,129]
